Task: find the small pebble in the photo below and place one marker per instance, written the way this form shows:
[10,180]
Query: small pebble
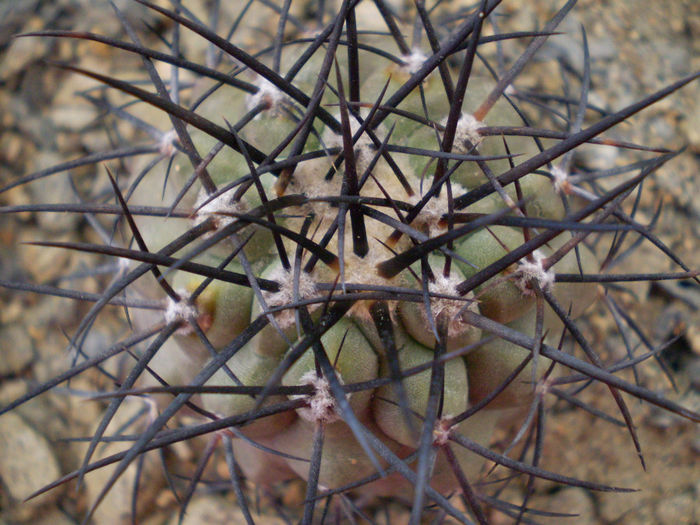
[16,350]
[214,509]
[27,462]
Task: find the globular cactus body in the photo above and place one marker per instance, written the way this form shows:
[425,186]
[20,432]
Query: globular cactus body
[365,243]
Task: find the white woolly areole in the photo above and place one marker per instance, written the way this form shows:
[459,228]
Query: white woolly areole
[467,131]
[442,431]
[322,406]
[452,307]
[269,94]
[413,62]
[285,295]
[180,311]
[561,179]
[167,143]
[445,286]
[215,208]
[534,271]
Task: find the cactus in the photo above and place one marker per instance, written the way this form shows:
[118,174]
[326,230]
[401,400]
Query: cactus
[350,253]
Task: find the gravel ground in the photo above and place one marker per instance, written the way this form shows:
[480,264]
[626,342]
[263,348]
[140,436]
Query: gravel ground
[636,46]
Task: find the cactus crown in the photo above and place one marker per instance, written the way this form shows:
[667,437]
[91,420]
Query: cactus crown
[352,251]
